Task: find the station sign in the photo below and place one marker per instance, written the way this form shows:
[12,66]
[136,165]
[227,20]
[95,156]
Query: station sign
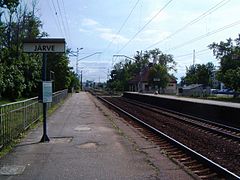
[47,91]
[44,45]
[156,79]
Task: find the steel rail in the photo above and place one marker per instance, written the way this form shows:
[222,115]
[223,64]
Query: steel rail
[216,167]
[192,118]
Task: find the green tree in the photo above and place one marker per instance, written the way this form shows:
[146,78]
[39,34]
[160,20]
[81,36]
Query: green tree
[118,80]
[2,84]
[228,53]
[58,63]
[158,76]
[126,70]
[232,78]
[199,74]
[166,60]
[9,4]
[74,81]
[22,71]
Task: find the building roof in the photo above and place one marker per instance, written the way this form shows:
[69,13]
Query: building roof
[143,77]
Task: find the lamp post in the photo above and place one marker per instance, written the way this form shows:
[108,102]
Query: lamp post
[81,82]
[122,55]
[78,49]
[76,54]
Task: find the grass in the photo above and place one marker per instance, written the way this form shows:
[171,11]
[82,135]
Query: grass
[216,98]
[224,99]
[4,101]
[13,125]
[18,120]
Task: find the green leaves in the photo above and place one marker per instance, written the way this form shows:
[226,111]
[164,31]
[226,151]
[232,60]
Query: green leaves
[126,70]
[199,74]
[20,73]
[229,55]
[232,78]
[9,4]
[158,76]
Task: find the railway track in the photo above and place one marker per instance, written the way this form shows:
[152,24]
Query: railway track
[223,131]
[199,165]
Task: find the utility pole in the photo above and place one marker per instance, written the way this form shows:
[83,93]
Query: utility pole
[108,74]
[81,81]
[77,62]
[194,57]
[78,49]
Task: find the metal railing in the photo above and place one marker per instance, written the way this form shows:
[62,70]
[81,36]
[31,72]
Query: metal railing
[16,117]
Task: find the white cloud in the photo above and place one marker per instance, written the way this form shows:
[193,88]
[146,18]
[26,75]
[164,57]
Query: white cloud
[89,22]
[116,39]
[83,30]
[90,25]
[107,34]
[104,30]
[152,35]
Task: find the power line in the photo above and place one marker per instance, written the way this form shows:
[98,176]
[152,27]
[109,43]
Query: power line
[64,27]
[145,25]
[65,15]
[56,15]
[125,21]
[89,55]
[190,54]
[209,11]
[55,20]
[206,35]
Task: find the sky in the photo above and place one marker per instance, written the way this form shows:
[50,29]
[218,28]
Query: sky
[110,27]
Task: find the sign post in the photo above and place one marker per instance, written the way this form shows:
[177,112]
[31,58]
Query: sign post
[45,45]
[44,78]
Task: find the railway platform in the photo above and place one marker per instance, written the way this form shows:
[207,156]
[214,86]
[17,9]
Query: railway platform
[87,141]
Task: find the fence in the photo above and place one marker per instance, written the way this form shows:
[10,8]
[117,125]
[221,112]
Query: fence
[16,117]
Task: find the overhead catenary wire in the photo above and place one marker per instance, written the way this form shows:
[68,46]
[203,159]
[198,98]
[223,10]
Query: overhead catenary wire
[206,35]
[144,26]
[56,16]
[66,19]
[190,54]
[123,24]
[61,16]
[206,13]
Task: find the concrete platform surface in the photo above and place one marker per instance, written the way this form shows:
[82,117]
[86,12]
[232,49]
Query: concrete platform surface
[87,141]
[195,100]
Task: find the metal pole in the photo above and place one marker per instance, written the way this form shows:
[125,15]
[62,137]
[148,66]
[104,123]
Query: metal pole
[77,62]
[1,127]
[44,78]
[81,82]
[194,57]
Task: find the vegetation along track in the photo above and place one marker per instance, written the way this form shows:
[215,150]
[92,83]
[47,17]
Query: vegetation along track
[207,145]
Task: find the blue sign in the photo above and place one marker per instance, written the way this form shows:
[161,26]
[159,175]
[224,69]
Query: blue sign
[47,91]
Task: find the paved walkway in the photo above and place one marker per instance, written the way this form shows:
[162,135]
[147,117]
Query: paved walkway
[86,143]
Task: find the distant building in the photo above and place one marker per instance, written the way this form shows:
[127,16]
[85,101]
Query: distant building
[194,90]
[215,83]
[140,83]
